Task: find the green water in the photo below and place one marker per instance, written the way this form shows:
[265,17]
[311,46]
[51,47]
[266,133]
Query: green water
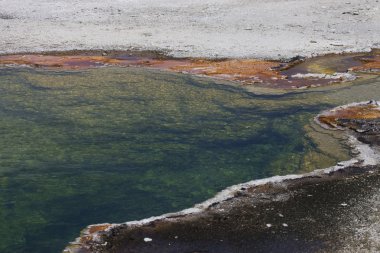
[112,145]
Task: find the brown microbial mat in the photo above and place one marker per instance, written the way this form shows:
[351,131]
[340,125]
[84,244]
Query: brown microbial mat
[343,116]
[296,74]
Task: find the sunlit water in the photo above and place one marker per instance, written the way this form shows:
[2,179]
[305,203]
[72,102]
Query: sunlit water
[112,145]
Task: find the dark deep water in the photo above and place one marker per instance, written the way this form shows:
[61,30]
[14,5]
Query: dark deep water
[112,145]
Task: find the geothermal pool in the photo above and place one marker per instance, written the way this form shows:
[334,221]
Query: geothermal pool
[116,144]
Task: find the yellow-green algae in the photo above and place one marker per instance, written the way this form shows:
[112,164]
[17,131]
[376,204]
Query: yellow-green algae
[113,144]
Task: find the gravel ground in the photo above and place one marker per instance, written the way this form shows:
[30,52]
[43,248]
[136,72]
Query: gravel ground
[199,28]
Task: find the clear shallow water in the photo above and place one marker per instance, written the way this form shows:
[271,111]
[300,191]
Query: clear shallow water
[112,145]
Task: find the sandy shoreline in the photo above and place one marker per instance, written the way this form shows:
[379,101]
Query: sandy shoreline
[211,29]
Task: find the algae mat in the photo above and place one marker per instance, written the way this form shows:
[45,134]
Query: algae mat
[117,144]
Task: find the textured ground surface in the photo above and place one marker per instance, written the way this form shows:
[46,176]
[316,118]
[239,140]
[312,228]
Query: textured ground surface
[334,213]
[207,28]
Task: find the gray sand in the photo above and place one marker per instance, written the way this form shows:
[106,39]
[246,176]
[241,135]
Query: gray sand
[205,28]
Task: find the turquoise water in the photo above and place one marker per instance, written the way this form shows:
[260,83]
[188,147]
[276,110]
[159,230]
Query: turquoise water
[112,145]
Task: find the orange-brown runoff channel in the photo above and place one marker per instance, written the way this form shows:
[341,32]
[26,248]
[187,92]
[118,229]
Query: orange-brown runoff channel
[245,71]
[370,63]
[365,111]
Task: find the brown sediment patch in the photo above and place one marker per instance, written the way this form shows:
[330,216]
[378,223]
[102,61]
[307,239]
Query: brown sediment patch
[245,71]
[345,116]
[96,228]
[69,62]
[239,69]
[262,73]
[91,231]
[370,64]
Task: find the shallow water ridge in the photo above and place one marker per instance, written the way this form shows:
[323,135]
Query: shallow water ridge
[116,144]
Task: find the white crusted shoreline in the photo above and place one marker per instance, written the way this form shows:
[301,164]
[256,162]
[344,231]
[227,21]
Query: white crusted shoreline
[200,28]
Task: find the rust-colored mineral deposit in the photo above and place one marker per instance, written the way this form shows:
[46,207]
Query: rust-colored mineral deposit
[340,116]
[67,62]
[271,74]
[245,71]
[100,227]
[89,233]
[370,64]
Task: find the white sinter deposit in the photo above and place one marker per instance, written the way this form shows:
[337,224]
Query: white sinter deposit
[204,28]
